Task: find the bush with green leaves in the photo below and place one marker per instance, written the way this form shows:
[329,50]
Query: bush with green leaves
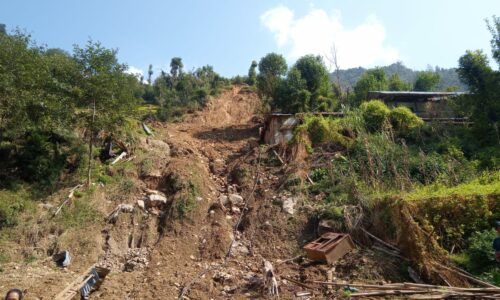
[12,204]
[322,130]
[404,120]
[375,114]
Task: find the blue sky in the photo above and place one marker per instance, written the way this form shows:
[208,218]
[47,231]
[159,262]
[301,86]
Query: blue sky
[228,34]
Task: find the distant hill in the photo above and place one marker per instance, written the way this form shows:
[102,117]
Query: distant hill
[449,77]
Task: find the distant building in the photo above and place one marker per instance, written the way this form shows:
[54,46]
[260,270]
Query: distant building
[427,105]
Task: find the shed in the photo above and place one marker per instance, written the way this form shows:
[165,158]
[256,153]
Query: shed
[427,105]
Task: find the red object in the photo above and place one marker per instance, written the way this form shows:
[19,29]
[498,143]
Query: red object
[329,247]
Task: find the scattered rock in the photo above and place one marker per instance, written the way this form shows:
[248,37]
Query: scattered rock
[161,146]
[141,204]
[222,277]
[155,201]
[236,199]
[223,199]
[289,205]
[135,259]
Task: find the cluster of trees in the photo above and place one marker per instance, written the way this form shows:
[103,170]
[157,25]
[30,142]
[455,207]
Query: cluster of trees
[449,77]
[483,102]
[178,91]
[304,87]
[46,93]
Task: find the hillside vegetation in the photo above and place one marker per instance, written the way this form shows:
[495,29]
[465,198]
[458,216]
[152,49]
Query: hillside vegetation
[449,77]
[165,180]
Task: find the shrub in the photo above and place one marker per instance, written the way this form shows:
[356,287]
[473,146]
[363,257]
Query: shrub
[403,119]
[11,205]
[375,114]
[320,130]
[480,252]
[79,214]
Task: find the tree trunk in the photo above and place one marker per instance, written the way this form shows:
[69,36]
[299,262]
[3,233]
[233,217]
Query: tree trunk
[91,144]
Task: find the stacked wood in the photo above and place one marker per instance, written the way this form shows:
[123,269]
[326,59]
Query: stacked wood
[418,290]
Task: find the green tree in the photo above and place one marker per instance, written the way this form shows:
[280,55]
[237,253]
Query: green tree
[494,28]
[252,73]
[37,88]
[426,81]
[34,90]
[371,80]
[176,66]
[314,72]
[292,95]
[272,68]
[150,73]
[482,104]
[397,84]
[107,96]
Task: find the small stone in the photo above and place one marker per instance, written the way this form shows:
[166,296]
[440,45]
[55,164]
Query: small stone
[289,204]
[223,199]
[236,199]
[141,204]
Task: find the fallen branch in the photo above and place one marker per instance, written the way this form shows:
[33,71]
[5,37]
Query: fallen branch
[298,283]
[122,155]
[414,286]
[380,241]
[146,129]
[387,293]
[468,276]
[70,195]
[289,259]
[279,157]
[389,252]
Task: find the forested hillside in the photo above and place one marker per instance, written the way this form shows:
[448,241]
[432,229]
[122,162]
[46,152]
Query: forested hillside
[449,77]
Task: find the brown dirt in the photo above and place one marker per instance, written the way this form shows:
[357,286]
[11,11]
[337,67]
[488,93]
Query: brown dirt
[213,152]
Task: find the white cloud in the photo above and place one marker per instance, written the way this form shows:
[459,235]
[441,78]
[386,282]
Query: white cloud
[134,71]
[317,31]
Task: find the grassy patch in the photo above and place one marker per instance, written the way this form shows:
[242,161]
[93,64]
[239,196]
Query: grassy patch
[79,214]
[487,184]
[12,204]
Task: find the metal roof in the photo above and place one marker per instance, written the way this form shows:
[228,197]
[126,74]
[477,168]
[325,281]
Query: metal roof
[412,96]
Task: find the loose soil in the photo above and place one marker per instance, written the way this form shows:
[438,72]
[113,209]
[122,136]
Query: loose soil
[210,153]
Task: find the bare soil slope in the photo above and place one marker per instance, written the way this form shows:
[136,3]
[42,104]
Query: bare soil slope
[224,217]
